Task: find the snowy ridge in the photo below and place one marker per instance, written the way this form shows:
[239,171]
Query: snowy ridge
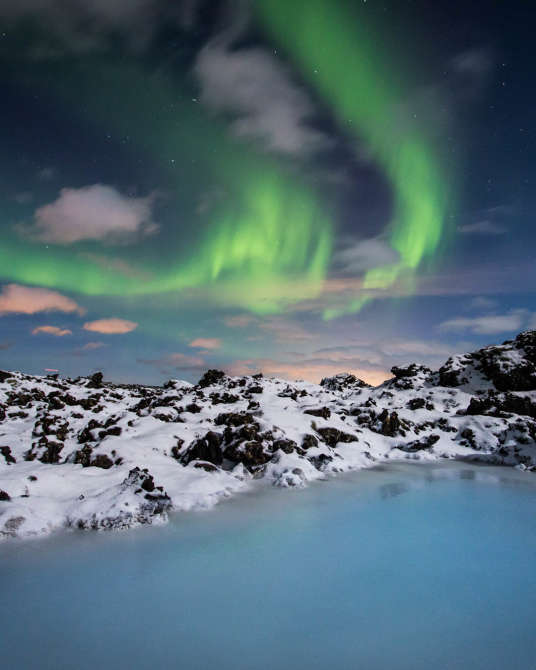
[89,454]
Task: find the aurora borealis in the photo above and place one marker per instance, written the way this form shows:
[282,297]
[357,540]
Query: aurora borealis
[286,180]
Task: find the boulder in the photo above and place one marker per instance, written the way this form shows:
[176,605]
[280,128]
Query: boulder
[207,448]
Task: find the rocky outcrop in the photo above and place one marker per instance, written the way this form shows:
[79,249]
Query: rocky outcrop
[107,439]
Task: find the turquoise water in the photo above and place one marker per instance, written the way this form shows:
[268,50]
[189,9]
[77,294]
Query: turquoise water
[401,568]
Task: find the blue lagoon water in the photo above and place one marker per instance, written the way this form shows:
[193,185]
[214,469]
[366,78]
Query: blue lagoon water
[407,567]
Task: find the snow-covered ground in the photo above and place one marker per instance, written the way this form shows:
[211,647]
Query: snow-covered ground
[90,454]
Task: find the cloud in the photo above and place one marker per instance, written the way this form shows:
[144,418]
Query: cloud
[206,343]
[484,227]
[252,86]
[95,212]
[488,325]
[361,255]
[52,330]
[91,346]
[481,303]
[110,326]
[310,369]
[475,63]
[79,26]
[239,321]
[17,299]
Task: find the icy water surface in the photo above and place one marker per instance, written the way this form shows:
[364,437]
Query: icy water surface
[411,568]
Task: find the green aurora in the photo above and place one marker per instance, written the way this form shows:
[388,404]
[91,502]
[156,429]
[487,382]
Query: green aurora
[339,57]
[267,242]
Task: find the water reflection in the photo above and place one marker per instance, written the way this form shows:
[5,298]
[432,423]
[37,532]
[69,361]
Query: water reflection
[392,490]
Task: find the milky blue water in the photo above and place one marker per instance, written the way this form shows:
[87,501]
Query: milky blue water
[403,568]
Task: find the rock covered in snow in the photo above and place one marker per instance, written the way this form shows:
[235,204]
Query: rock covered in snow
[90,454]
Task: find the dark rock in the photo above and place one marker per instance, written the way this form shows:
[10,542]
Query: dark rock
[288,392]
[248,453]
[148,483]
[500,404]
[144,403]
[6,453]
[332,436]
[419,445]
[323,412]
[207,467]
[114,431]
[89,403]
[4,376]
[86,434]
[54,402]
[176,450]
[406,371]
[343,381]
[468,436]
[52,452]
[223,398]
[416,403]
[207,448]
[321,460]
[192,408]
[234,419]
[390,423]
[157,500]
[244,433]
[4,496]
[102,461]
[309,441]
[288,446]
[211,377]
[95,381]
[83,456]
[255,389]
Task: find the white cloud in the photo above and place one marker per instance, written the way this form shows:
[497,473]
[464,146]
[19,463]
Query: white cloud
[488,325]
[359,256]
[484,227]
[253,86]
[95,212]
[17,299]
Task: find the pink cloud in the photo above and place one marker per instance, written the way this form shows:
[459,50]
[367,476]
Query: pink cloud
[52,330]
[91,346]
[96,212]
[310,370]
[238,321]
[110,326]
[206,343]
[17,299]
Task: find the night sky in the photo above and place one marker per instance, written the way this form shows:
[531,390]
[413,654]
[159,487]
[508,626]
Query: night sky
[299,187]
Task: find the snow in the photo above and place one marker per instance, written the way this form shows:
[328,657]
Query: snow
[89,454]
